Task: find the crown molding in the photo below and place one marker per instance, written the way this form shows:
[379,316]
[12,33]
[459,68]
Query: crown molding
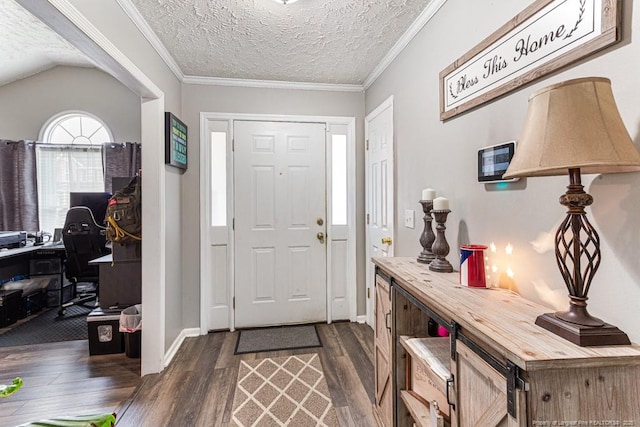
[271,84]
[132,12]
[422,20]
[429,12]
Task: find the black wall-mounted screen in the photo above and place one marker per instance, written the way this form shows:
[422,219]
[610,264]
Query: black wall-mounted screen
[493,161]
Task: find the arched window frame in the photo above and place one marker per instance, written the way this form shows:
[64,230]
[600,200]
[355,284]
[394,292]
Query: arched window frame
[74,164]
[58,119]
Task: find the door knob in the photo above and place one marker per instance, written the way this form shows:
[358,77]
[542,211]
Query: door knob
[320,236]
[320,221]
[386,240]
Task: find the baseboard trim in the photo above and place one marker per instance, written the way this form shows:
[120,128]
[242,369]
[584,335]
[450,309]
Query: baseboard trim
[361,319]
[185,333]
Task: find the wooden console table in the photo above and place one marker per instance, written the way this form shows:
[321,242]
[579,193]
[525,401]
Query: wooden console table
[504,370]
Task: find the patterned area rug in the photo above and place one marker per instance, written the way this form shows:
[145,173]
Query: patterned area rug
[283,391]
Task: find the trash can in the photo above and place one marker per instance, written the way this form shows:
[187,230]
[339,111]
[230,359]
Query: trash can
[131,326]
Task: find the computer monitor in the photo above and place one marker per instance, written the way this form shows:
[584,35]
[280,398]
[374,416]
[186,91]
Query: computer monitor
[96,202]
[119,182]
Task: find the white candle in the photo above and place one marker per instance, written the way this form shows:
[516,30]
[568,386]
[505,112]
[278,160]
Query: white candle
[428,194]
[440,204]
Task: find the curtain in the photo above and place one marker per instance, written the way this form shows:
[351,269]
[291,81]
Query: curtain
[18,186]
[121,160]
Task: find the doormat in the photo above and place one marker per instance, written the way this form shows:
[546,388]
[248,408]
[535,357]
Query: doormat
[281,391]
[277,338]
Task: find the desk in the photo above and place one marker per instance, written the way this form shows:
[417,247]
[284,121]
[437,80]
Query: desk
[120,281]
[41,260]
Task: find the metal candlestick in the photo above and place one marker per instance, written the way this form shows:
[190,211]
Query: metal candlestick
[427,237]
[440,246]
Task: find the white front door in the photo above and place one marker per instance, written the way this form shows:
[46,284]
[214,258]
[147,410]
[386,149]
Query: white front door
[280,209]
[379,187]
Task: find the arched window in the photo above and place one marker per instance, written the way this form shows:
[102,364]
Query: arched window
[69,158]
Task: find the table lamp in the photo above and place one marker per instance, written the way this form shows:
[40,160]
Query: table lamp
[575,127]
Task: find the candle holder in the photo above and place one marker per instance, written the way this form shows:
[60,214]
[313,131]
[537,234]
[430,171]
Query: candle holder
[427,237]
[440,246]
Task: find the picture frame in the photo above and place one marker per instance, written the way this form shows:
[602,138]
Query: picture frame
[175,142]
[544,37]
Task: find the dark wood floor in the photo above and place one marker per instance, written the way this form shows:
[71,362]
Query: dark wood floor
[62,379]
[195,390]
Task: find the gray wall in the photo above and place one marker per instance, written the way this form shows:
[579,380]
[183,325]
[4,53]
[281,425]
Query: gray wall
[26,104]
[110,20]
[430,153]
[222,99]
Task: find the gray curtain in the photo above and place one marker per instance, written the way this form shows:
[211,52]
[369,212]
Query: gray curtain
[121,160]
[18,186]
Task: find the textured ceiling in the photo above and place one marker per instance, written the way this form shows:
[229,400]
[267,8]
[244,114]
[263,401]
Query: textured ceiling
[28,46]
[317,41]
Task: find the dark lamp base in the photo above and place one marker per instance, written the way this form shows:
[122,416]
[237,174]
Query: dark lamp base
[584,336]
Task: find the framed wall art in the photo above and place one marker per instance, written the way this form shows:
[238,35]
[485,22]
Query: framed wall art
[548,35]
[175,141]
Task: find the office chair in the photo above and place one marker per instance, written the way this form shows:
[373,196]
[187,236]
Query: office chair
[84,240]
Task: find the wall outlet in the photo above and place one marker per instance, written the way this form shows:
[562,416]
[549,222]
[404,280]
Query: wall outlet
[409,218]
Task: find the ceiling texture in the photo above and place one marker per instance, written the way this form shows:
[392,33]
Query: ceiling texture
[310,41]
[28,46]
[335,43]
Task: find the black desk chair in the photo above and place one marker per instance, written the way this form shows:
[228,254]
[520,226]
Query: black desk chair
[84,240]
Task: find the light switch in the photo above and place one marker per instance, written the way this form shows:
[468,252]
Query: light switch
[409,221]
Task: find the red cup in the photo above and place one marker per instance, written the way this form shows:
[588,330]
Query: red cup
[472,272]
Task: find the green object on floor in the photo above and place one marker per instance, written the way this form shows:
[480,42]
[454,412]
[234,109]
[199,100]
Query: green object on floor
[7,390]
[98,420]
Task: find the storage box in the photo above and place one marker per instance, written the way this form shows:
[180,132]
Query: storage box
[33,302]
[104,335]
[10,307]
[57,297]
[40,266]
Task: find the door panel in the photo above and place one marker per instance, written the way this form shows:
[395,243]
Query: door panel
[383,372]
[280,273]
[380,192]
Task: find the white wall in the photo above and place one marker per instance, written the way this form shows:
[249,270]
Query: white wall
[440,155]
[223,99]
[26,104]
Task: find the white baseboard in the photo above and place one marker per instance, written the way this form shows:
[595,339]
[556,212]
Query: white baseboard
[361,319]
[190,332]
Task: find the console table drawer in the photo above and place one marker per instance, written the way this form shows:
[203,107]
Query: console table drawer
[428,369]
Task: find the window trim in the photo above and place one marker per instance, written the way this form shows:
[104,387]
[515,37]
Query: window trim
[49,125]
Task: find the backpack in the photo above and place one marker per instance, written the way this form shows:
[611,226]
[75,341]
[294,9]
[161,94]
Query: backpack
[124,214]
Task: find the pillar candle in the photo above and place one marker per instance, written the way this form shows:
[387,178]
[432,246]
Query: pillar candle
[428,194]
[440,204]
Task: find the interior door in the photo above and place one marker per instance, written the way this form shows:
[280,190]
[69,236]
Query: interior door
[379,185]
[280,223]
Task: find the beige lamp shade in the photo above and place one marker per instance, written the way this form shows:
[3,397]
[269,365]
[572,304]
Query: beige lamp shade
[574,124]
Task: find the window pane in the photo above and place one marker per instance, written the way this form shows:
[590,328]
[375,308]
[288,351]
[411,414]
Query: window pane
[218,179]
[100,137]
[89,126]
[60,136]
[339,179]
[72,125]
[60,172]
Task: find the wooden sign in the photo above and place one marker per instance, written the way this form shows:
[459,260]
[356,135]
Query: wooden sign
[175,144]
[547,35]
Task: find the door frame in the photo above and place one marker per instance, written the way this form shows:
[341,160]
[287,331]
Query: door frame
[347,232]
[370,281]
